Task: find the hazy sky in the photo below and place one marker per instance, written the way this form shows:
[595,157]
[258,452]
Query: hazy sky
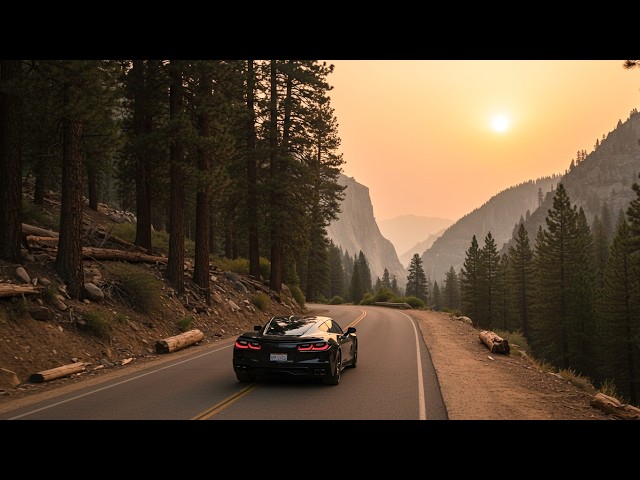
[420,133]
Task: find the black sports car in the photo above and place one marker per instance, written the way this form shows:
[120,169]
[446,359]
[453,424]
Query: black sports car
[296,347]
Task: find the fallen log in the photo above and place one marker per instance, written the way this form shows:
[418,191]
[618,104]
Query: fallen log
[58,372]
[612,406]
[11,290]
[178,342]
[37,231]
[495,343]
[114,254]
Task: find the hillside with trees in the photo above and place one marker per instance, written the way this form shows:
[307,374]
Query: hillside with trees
[238,156]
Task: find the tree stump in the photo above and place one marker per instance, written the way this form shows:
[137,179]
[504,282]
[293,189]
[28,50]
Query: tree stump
[178,342]
[495,343]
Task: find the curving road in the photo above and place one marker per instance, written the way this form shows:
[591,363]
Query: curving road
[394,380]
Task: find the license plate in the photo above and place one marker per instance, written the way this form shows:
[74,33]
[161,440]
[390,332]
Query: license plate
[278,357]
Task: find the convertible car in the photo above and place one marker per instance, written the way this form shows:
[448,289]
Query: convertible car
[310,347]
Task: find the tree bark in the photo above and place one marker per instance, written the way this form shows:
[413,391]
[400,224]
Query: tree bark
[275,278]
[495,343]
[203,196]
[69,258]
[142,127]
[252,195]
[10,161]
[175,266]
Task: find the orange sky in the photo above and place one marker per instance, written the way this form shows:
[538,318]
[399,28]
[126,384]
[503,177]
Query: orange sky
[419,133]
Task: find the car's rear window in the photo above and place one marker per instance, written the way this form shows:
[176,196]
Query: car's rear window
[289,326]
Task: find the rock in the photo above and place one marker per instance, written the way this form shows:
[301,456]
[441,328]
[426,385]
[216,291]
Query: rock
[22,275]
[240,286]
[8,378]
[59,304]
[41,313]
[93,292]
[44,281]
[234,307]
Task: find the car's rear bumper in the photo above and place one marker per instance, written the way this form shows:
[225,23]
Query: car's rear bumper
[307,369]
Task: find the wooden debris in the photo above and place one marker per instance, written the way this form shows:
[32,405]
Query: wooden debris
[59,372]
[495,343]
[37,231]
[12,290]
[612,406]
[114,254]
[178,342]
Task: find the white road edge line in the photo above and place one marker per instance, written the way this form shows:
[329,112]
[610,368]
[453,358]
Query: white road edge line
[421,395]
[116,384]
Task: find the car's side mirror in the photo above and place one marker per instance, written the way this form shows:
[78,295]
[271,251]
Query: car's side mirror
[351,330]
[257,328]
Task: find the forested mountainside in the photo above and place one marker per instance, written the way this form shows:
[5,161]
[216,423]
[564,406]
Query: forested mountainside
[356,231]
[603,177]
[497,216]
[600,182]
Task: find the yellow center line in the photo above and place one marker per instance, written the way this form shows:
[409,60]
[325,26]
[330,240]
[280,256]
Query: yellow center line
[224,404]
[357,320]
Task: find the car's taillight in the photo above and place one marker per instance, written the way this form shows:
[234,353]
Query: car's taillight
[244,344]
[313,347]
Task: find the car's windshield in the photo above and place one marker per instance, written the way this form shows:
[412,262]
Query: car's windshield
[293,326]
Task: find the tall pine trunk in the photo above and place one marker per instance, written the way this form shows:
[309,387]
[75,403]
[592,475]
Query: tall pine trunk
[141,127]
[203,196]
[69,257]
[252,196]
[275,279]
[175,263]
[10,162]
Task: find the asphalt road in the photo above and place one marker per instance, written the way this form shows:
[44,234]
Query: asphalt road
[394,380]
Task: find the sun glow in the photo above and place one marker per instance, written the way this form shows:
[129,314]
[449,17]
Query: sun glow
[500,123]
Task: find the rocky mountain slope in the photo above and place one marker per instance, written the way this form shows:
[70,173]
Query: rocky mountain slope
[356,230]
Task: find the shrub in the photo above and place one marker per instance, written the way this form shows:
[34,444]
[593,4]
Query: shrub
[336,300]
[415,302]
[296,291]
[367,299]
[134,285]
[121,318]
[17,307]
[576,379]
[608,387]
[96,324]
[184,324]
[260,300]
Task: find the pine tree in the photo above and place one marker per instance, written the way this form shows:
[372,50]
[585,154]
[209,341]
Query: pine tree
[633,215]
[489,259]
[503,295]
[365,273]
[336,272]
[10,160]
[471,282]
[521,277]
[619,317]
[450,295]
[555,258]
[356,290]
[417,279]
[437,298]
[582,306]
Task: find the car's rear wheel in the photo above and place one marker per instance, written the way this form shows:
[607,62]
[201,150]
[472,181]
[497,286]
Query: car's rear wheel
[244,377]
[334,378]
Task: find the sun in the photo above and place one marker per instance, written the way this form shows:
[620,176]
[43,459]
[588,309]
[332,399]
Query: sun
[500,123]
